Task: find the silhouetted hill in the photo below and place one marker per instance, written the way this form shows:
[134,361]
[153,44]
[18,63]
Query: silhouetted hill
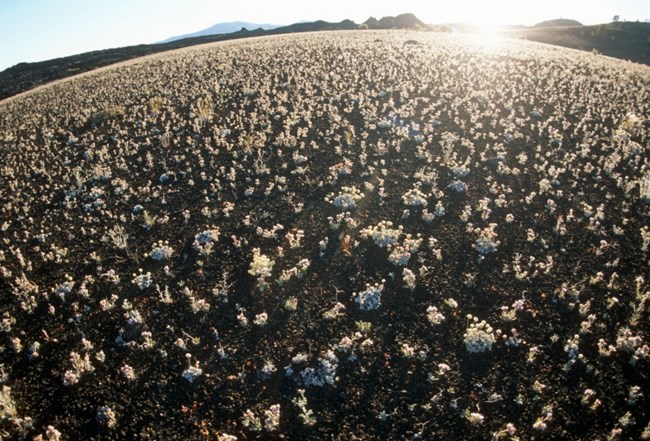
[625,40]
[223,28]
[558,22]
[319,25]
[403,21]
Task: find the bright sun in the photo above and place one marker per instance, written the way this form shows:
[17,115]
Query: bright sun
[482,16]
[486,28]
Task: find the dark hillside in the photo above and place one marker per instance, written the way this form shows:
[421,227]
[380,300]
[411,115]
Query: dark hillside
[26,76]
[625,40]
[558,22]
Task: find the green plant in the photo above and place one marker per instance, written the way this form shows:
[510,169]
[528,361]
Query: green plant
[105,115]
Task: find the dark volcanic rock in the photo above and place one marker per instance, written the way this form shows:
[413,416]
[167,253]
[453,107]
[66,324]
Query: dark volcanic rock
[402,21]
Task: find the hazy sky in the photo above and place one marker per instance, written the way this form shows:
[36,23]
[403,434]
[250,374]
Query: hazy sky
[35,30]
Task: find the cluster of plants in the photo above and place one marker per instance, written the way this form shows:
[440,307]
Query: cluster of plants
[329,235]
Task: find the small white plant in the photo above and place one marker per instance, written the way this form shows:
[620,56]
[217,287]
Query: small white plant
[198,305]
[7,404]
[401,253]
[409,278]
[334,312]
[297,271]
[644,187]
[251,421]
[407,351]
[509,431]
[52,434]
[415,198]
[487,240]
[434,316]
[291,304]
[192,373]
[370,298]
[267,370]
[142,280]
[540,422]
[204,241]
[479,336]
[80,365]
[474,418]
[272,418]
[261,268]
[439,209]
[306,414]
[633,395]
[65,288]
[261,319]
[323,374]
[161,251]
[458,186]
[428,217]
[383,234]
[294,237]
[106,417]
[128,372]
[271,233]
[347,199]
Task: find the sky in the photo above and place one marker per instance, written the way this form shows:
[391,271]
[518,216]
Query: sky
[36,30]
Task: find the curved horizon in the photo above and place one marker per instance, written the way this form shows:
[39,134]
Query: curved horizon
[41,30]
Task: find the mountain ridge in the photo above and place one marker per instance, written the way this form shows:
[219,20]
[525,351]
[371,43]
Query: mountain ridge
[557,22]
[222,28]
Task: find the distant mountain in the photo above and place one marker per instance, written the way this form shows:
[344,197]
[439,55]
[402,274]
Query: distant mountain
[403,21]
[320,25]
[558,22]
[223,28]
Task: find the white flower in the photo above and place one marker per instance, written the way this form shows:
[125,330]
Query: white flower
[475,418]
[261,267]
[347,199]
[261,319]
[479,336]
[204,241]
[409,278]
[142,281]
[370,298]
[161,251]
[415,198]
[272,418]
[52,434]
[192,373]
[434,316]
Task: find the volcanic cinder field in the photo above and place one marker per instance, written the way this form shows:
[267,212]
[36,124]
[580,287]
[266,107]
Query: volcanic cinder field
[360,235]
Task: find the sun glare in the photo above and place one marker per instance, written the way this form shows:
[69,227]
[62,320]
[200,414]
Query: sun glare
[480,18]
[487,29]
[486,34]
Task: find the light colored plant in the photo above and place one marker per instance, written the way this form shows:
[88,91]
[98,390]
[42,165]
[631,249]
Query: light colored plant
[479,336]
[161,251]
[261,267]
[370,298]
